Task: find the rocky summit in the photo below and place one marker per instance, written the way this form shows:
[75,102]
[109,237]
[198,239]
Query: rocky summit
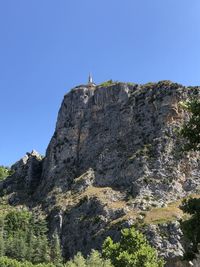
[115,160]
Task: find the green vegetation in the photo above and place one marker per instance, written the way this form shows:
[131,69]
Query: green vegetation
[56,253]
[6,262]
[191,227]
[111,82]
[4,172]
[146,151]
[191,133]
[160,85]
[191,129]
[94,260]
[23,236]
[131,84]
[132,250]
[24,243]
[107,83]
[149,85]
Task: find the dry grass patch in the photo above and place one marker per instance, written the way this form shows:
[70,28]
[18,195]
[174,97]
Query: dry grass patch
[112,198]
[115,200]
[130,215]
[163,215]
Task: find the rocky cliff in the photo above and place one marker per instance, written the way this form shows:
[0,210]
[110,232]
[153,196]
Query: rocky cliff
[114,160]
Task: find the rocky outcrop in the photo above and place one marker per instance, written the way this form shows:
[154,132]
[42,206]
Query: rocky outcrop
[115,155]
[29,168]
[22,184]
[127,135]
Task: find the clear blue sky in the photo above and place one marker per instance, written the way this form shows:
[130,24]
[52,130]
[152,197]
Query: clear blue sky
[49,46]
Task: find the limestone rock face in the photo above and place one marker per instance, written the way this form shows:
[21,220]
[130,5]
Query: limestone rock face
[127,134]
[29,167]
[115,160]
[122,139]
[25,178]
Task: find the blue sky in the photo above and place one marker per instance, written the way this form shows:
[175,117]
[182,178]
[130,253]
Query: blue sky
[49,46]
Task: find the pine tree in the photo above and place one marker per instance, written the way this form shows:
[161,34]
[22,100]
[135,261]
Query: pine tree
[95,260]
[78,261]
[56,253]
[30,246]
[20,247]
[2,245]
[45,250]
[16,247]
[41,252]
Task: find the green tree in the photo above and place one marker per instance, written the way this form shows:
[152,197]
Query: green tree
[17,221]
[41,251]
[39,225]
[132,250]
[191,134]
[78,261]
[4,172]
[2,244]
[191,226]
[191,129]
[95,260]
[16,247]
[6,262]
[30,245]
[56,254]
[25,237]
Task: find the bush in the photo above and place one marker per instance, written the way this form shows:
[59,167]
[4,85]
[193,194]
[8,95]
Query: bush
[132,250]
[4,172]
[93,260]
[191,227]
[191,130]
[6,262]
[107,83]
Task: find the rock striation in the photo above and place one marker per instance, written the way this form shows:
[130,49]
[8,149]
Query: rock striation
[114,159]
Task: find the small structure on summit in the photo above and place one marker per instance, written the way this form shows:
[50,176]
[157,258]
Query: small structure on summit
[90,80]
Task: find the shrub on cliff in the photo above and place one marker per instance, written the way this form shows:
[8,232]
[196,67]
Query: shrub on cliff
[4,172]
[107,83]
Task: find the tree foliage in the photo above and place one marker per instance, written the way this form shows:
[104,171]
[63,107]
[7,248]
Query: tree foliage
[4,172]
[23,236]
[191,129]
[191,133]
[24,242]
[191,226]
[7,262]
[93,260]
[56,253]
[132,250]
